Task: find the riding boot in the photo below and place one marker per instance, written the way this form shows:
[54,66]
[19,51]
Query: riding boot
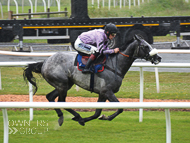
[88,64]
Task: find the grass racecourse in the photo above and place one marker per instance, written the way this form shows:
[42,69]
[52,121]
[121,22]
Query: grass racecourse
[126,127]
[123,129]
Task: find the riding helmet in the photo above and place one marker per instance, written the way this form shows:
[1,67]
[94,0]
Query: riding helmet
[110,28]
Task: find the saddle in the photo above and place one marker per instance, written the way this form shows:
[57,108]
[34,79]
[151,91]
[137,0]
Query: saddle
[98,65]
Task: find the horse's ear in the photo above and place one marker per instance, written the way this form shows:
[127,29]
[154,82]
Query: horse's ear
[136,37]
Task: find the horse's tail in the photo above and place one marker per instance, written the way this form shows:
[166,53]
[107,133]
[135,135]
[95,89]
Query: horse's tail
[27,74]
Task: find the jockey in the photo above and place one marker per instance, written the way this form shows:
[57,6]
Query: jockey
[95,42]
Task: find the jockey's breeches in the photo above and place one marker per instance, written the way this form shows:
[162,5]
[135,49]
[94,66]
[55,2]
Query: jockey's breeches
[84,48]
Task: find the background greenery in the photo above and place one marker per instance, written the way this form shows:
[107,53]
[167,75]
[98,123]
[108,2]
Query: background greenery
[151,8]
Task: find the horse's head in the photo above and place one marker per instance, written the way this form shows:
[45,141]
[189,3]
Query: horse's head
[145,51]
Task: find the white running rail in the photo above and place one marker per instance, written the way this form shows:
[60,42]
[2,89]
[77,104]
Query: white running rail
[135,64]
[115,105]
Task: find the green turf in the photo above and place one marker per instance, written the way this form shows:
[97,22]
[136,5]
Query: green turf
[173,85]
[124,128]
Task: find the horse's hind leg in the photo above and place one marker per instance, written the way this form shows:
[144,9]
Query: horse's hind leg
[51,98]
[77,117]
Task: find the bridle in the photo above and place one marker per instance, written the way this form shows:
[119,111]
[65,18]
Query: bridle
[135,55]
[141,47]
[136,52]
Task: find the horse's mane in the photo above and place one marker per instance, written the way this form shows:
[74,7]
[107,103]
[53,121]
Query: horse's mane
[123,47]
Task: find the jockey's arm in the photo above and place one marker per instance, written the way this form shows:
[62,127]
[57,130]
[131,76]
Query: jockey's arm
[111,51]
[102,47]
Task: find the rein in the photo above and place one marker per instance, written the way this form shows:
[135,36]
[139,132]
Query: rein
[123,54]
[115,71]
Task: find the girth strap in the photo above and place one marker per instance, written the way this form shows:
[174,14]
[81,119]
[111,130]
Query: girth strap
[92,82]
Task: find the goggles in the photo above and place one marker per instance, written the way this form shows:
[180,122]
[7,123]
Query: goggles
[113,34]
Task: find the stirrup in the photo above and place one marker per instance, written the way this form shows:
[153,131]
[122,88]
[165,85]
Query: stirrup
[86,71]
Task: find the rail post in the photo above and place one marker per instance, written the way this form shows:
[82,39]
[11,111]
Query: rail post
[31,100]
[178,34]
[29,16]
[65,12]
[141,94]
[168,126]
[48,13]
[20,37]
[6,126]
[10,15]
[157,80]
[1,10]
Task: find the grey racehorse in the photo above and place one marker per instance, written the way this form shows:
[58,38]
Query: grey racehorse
[60,72]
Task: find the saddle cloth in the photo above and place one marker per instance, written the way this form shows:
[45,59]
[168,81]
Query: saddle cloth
[96,67]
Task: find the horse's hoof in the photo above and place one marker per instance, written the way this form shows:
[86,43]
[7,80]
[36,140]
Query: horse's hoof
[60,120]
[81,122]
[79,119]
[75,118]
[110,119]
[103,117]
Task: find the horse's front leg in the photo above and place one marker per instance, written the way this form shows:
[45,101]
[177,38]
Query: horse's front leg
[112,98]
